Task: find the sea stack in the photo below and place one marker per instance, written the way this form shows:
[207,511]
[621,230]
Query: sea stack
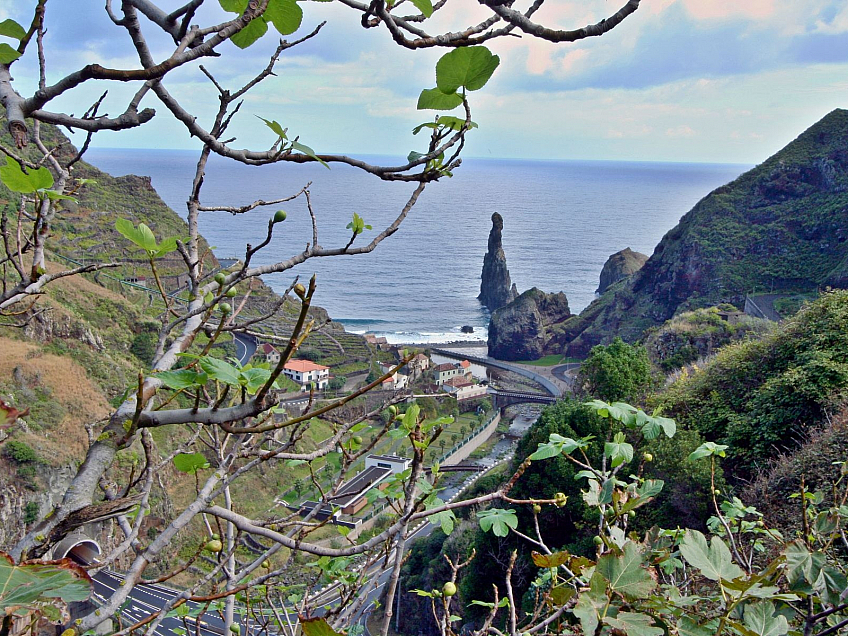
[524,329]
[496,290]
[620,265]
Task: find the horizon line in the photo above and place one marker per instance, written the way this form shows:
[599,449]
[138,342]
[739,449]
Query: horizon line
[482,157]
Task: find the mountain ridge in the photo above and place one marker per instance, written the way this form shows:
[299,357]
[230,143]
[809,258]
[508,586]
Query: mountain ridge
[782,225]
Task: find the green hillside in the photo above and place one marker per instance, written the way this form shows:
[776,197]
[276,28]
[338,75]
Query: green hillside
[781,226]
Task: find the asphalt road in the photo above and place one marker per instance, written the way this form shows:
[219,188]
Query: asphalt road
[245,347]
[561,373]
[146,599]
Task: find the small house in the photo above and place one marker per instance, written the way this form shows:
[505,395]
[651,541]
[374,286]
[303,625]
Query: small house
[448,370]
[307,374]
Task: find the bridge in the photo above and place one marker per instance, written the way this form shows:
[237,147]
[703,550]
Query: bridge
[502,399]
[544,382]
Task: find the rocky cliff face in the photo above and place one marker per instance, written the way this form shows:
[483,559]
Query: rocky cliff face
[14,498]
[619,266]
[496,289]
[782,225]
[522,330]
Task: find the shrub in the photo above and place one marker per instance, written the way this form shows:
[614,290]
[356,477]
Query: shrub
[144,346]
[20,452]
[30,512]
[617,372]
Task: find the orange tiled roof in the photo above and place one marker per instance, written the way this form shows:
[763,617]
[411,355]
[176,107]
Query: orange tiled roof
[304,366]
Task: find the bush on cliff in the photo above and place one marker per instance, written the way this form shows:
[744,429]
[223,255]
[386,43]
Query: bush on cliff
[617,372]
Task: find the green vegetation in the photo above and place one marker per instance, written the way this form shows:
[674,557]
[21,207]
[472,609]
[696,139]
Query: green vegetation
[30,512]
[697,334]
[20,452]
[788,306]
[545,361]
[762,395]
[772,228]
[616,373]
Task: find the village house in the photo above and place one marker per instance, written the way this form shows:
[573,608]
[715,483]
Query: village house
[462,389]
[379,342]
[268,353]
[418,365]
[307,374]
[136,280]
[394,382]
[351,496]
[448,370]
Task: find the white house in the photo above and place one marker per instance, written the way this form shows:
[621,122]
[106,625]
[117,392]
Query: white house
[395,381]
[307,373]
[394,463]
[449,370]
[268,353]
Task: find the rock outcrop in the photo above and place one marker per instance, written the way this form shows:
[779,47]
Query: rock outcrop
[619,266]
[496,290]
[522,330]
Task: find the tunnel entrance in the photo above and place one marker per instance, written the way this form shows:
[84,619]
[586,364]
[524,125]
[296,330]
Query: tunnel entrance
[79,548]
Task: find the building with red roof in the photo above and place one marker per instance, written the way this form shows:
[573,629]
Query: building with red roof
[307,374]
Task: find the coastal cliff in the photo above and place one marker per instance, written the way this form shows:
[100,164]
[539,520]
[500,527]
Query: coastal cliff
[521,330]
[619,266]
[496,289]
[781,226]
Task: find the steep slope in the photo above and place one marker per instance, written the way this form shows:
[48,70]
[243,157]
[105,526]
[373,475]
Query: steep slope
[763,396]
[782,225]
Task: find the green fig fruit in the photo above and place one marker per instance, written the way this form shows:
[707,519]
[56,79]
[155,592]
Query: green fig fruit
[214,545]
[220,278]
[449,589]
[280,216]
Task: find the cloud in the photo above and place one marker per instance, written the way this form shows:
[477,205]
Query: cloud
[678,80]
[833,22]
[722,9]
[681,131]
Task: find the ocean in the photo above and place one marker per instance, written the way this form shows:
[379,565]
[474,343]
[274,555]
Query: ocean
[562,220]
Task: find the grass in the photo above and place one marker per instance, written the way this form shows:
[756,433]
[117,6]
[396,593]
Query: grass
[550,361]
[547,361]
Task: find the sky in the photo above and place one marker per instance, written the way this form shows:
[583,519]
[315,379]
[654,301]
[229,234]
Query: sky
[728,81]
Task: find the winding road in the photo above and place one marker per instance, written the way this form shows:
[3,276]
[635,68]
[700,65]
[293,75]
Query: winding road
[245,347]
